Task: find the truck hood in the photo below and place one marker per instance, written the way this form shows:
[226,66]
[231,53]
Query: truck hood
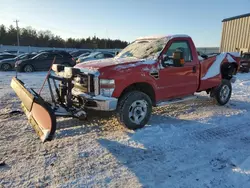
[119,62]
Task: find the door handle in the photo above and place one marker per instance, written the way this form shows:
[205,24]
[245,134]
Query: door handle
[194,69]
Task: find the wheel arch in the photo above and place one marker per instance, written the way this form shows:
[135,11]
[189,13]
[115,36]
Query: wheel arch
[1,67]
[229,69]
[143,87]
[23,66]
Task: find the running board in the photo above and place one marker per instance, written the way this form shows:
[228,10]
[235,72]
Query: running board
[176,100]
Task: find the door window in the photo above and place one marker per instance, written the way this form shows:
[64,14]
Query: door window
[42,56]
[108,55]
[99,56]
[180,45]
[58,56]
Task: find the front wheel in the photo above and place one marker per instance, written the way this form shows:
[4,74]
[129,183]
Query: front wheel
[6,67]
[134,110]
[223,92]
[28,68]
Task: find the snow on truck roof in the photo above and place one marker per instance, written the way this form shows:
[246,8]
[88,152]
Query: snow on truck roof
[162,36]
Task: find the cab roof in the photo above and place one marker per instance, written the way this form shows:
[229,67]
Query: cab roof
[163,36]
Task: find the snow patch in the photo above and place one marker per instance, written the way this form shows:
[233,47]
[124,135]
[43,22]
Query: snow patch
[214,70]
[149,61]
[236,54]
[141,62]
[230,59]
[162,36]
[243,168]
[200,58]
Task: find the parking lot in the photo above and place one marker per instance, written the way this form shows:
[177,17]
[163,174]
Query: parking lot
[191,144]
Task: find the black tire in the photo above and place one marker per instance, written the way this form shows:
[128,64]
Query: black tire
[28,68]
[222,93]
[6,67]
[144,110]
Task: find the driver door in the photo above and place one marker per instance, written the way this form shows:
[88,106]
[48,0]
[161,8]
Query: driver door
[178,81]
[40,61]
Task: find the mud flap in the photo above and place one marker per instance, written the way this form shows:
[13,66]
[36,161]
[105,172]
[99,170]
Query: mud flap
[39,113]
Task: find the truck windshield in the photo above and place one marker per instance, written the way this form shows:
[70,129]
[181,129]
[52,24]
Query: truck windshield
[143,49]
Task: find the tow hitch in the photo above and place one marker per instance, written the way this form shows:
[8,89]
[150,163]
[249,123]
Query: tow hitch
[42,114]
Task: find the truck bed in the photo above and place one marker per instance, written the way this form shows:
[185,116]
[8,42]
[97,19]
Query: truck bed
[211,69]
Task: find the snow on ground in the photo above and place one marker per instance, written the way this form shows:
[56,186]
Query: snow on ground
[191,144]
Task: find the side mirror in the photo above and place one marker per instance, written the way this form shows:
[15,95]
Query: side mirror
[178,58]
[166,61]
[116,53]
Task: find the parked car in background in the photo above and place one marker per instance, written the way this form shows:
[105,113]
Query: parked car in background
[245,62]
[9,64]
[15,52]
[96,56]
[6,56]
[212,54]
[43,61]
[77,53]
[82,55]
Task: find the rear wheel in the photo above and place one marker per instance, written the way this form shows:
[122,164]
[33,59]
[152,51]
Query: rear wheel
[222,93]
[28,68]
[134,110]
[6,67]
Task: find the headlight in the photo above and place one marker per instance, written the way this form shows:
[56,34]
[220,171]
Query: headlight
[106,82]
[107,87]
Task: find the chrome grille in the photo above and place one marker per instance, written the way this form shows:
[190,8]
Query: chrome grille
[86,83]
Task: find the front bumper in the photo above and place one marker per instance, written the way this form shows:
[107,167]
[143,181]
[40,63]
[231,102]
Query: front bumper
[98,102]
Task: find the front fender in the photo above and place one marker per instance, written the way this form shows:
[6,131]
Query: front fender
[130,79]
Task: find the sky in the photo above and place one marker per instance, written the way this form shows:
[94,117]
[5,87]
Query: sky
[125,19]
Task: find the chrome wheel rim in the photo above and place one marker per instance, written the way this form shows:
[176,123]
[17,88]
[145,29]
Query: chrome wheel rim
[224,93]
[28,68]
[138,111]
[6,67]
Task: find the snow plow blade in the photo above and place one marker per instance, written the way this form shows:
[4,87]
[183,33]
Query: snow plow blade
[39,113]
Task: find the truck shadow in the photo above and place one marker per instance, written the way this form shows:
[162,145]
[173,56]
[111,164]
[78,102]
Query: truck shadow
[168,149]
[164,161]
[166,154]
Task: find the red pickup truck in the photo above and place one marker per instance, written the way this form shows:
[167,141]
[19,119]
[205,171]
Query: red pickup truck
[150,72]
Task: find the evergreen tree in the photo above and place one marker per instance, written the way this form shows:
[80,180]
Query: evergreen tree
[30,37]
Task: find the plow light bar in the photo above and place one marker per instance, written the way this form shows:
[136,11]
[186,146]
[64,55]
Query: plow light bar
[66,72]
[57,68]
